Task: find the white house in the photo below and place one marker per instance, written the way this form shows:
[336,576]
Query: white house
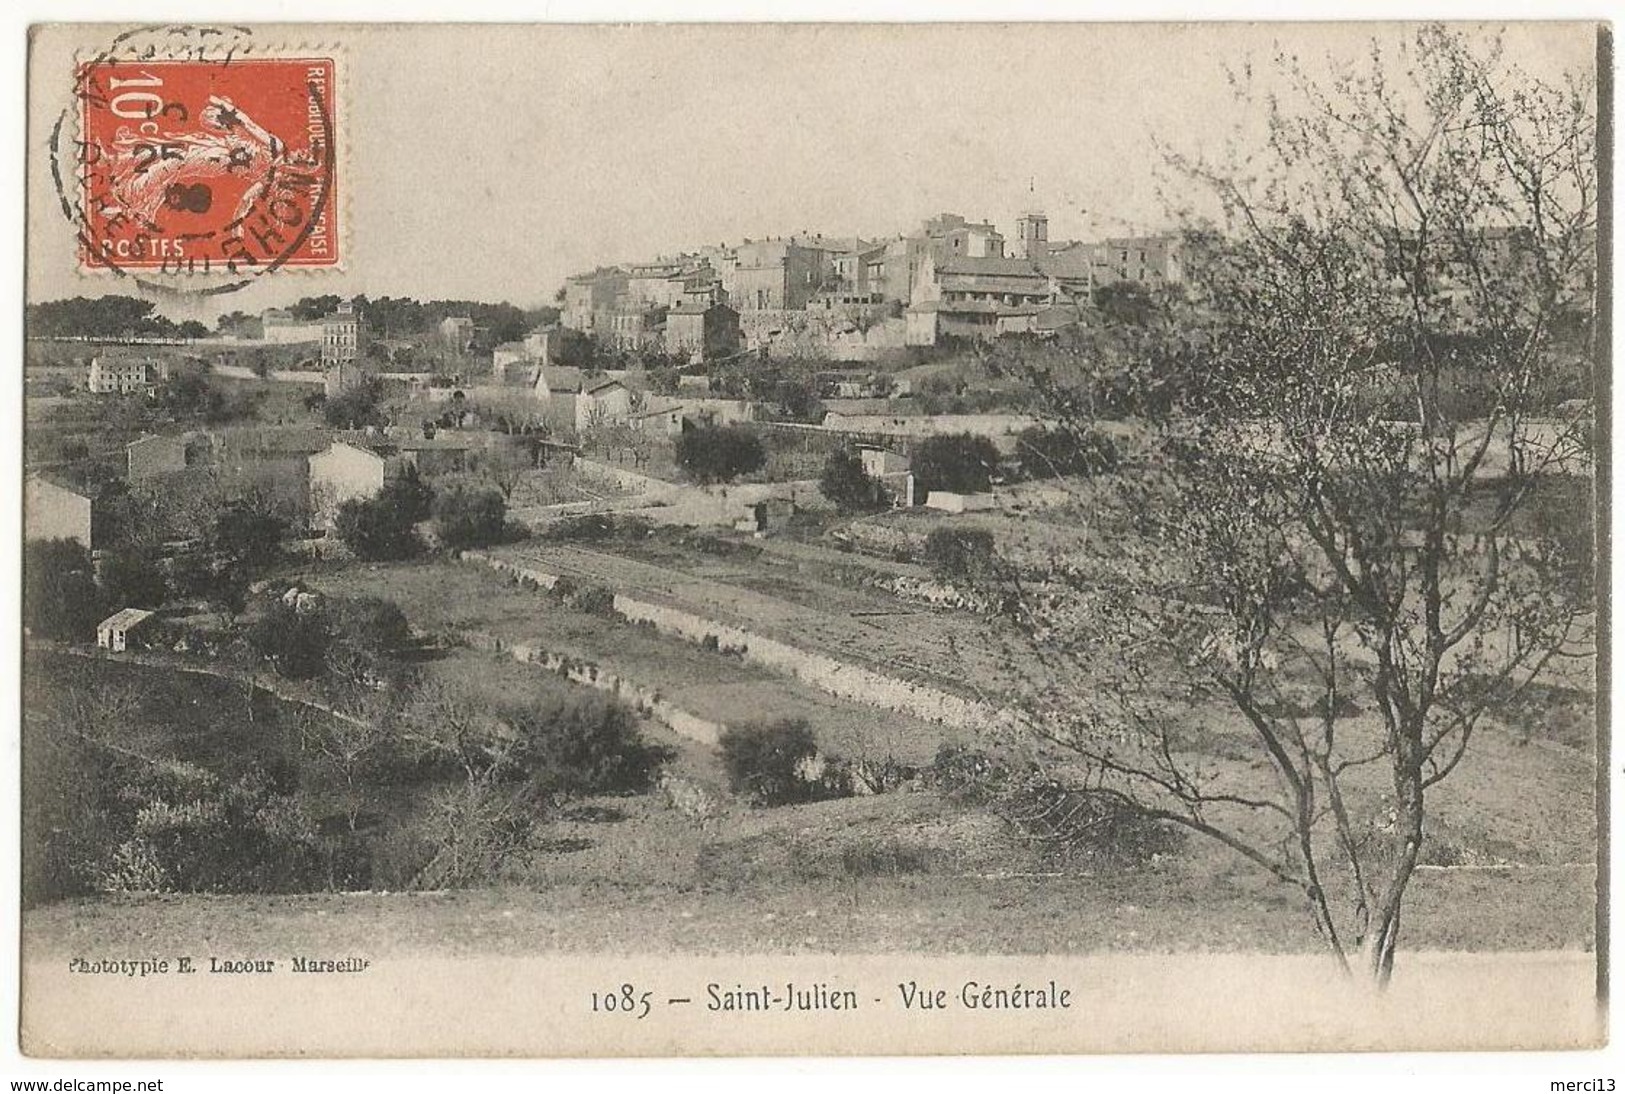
[122,375]
[505,357]
[879,461]
[342,472]
[113,633]
[54,511]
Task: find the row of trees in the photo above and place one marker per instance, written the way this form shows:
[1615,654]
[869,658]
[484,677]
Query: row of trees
[110,316]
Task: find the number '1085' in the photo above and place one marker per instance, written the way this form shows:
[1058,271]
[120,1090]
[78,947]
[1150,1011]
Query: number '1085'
[627,1000]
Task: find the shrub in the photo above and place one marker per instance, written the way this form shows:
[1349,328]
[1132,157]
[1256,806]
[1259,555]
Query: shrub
[409,494]
[368,637]
[719,453]
[766,762]
[60,598]
[596,600]
[473,831]
[1046,453]
[131,579]
[590,745]
[295,642]
[246,536]
[847,485]
[960,554]
[181,828]
[1065,822]
[470,517]
[591,528]
[963,463]
[377,530]
[357,407]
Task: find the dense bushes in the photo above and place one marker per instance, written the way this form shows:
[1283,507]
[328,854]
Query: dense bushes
[188,830]
[598,528]
[590,745]
[356,408]
[1069,823]
[847,485]
[1046,452]
[719,453]
[60,599]
[470,517]
[771,763]
[357,640]
[294,642]
[958,555]
[130,578]
[962,463]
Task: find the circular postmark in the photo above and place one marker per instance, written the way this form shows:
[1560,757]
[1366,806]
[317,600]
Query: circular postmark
[192,161]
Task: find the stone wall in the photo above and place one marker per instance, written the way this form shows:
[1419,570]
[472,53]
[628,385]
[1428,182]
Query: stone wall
[835,677]
[646,701]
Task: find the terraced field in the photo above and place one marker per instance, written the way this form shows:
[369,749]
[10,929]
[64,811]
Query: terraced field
[943,649]
[446,596]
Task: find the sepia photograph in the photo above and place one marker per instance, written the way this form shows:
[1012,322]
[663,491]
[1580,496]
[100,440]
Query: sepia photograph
[814,539]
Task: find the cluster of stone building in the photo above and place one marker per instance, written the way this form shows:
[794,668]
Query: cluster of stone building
[951,277]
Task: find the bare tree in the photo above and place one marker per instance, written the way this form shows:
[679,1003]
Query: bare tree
[481,823]
[350,741]
[1324,565]
[504,469]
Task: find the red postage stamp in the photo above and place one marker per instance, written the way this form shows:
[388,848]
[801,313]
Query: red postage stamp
[208,166]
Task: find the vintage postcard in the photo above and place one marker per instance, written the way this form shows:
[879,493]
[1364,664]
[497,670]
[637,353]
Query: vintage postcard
[769,539]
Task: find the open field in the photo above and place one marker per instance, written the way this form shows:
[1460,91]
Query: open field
[1472,910]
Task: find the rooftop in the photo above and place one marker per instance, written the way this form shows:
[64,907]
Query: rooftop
[125,618]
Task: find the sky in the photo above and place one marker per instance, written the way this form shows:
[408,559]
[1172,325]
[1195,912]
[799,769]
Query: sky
[490,162]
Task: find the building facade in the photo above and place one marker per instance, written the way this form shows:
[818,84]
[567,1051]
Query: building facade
[773,274]
[52,510]
[457,333]
[343,472]
[341,336]
[591,295]
[146,457]
[705,331]
[279,328]
[121,375]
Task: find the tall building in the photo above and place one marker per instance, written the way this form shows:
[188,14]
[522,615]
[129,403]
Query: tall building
[588,297]
[341,336]
[952,236]
[1032,236]
[341,348]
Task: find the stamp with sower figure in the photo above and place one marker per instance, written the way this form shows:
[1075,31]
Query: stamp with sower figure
[207,166]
